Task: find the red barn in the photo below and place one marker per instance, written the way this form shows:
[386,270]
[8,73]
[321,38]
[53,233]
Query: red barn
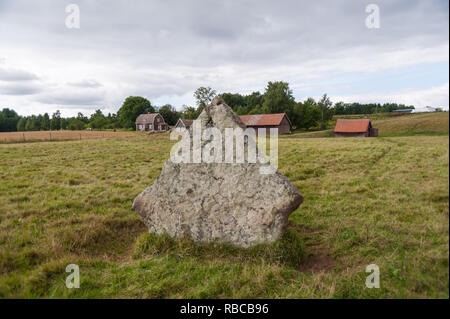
[268,121]
[354,128]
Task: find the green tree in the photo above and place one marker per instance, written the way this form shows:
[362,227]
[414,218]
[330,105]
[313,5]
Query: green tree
[21,124]
[82,118]
[169,114]
[278,99]
[75,124]
[254,100]
[307,114]
[234,100]
[203,97]
[45,122]
[8,120]
[131,108]
[55,122]
[98,121]
[28,124]
[326,111]
[189,112]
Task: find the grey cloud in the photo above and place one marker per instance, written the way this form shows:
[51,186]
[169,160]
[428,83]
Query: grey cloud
[86,84]
[19,89]
[163,48]
[72,98]
[16,75]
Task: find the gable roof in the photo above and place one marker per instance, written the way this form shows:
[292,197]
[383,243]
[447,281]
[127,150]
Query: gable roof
[263,119]
[352,126]
[146,118]
[185,122]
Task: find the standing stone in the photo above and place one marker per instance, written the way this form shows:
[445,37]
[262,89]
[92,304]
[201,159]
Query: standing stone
[224,202]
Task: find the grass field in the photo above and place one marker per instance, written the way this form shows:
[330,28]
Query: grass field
[375,200]
[394,124]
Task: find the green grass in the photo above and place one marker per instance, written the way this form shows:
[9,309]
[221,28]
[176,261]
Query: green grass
[393,124]
[436,123]
[375,200]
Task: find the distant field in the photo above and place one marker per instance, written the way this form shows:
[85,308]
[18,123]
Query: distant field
[36,136]
[375,200]
[422,123]
[395,124]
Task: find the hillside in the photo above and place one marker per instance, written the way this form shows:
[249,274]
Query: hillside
[393,124]
[421,123]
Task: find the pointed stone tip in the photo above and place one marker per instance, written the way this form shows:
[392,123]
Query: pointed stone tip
[217,101]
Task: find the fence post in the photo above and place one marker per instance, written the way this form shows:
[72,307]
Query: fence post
[50,136]
[80,136]
[23,136]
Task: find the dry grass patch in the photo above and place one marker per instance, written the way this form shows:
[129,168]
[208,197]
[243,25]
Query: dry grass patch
[40,136]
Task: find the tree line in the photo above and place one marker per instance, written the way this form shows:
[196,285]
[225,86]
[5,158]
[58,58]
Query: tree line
[277,98]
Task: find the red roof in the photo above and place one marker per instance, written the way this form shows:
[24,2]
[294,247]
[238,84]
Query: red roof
[263,119]
[352,126]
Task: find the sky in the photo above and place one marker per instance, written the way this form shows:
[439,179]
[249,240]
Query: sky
[165,50]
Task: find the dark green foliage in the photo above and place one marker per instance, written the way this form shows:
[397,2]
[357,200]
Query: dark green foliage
[190,112]
[342,108]
[204,96]
[169,113]
[131,109]
[306,115]
[55,122]
[8,120]
[98,120]
[326,111]
[278,98]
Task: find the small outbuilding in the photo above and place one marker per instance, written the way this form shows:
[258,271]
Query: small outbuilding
[268,121]
[152,122]
[183,124]
[354,128]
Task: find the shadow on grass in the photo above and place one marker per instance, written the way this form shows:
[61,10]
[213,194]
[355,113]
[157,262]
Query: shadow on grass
[287,250]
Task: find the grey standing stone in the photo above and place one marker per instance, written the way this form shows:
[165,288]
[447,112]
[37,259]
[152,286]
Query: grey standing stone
[224,202]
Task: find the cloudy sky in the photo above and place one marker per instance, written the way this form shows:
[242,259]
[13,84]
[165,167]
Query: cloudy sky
[164,50]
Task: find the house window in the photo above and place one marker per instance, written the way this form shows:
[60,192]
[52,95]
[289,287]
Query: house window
[150,126]
[157,119]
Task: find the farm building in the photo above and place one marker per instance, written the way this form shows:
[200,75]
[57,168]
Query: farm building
[152,122]
[354,128]
[184,124]
[267,121]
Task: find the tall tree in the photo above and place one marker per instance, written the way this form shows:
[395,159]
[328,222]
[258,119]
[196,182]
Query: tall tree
[131,108]
[98,120]
[45,122]
[169,114]
[8,120]
[326,111]
[234,100]
[21,124]
[189,113]
[55,122]
[278,98]
[254,100]
[307,114]
[204,96]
